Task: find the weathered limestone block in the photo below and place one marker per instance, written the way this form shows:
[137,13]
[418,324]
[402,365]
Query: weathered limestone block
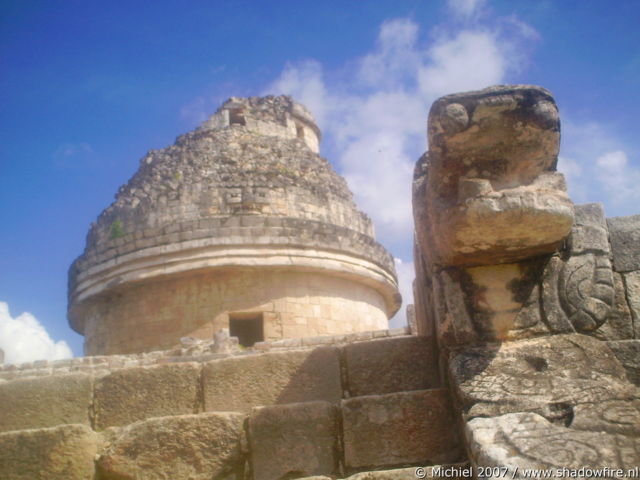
[295,440]
[554,315]
[223,342]
[589,232]
[39,402]
[504,299]
[411,319]
[493,127]
[197,447]
[488,303]
[578,294]
[390,365]
[547,375]
[619,322]
[486,192]
[519,441]
[611,416]
[632,290]
[399,429]
[241,383]
[423,296]
[65,452]
[454,325]
[133,394]
[628,353]
[455,472]
[624,233]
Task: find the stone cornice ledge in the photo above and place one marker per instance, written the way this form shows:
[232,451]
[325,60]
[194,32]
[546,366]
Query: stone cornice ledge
[169,260]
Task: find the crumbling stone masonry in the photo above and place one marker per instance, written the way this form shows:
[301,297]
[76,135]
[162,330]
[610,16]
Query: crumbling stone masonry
[240,225]
[279,410]
[531,302]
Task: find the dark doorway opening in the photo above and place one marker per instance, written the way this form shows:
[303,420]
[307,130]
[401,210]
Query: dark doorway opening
[236,116]
[248,327]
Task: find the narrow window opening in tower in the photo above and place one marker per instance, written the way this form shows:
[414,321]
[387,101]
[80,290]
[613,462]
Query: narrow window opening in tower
[248,327]
[236,116]
[300,132]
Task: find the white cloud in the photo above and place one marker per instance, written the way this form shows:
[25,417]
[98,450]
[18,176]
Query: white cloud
[471,60]
[465,8]
[598,167]
[618,178]
[24,339]
[572,171]
[395,55]
[613,162]
[375,118]
[305,83]
[373,112]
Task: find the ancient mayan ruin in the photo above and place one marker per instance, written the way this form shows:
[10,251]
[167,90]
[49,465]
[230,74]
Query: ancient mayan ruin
[238,225]
[235,303]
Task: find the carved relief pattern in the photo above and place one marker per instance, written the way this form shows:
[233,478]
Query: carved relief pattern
[586,293]
[533,442]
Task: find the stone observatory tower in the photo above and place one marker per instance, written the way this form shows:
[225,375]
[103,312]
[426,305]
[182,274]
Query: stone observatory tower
[240,224]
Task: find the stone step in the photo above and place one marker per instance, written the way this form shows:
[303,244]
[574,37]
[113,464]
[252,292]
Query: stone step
[328,410]
[374,432]
[120,396]
[456,471]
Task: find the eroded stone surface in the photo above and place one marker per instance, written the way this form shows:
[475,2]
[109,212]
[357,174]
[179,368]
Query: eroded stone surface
[238,217]
[399,429]
[628,353]
[65,452]
[241,383]
[455,471]
[611,416]
[504,299]
[486,192]
[390,365]
[295,440]
[619,322]
[454,325]
[632,290]
[132,394]
[197,447]
[528,441]
[505,123]
[624,234]
[589,232]
[45,401]
[547,375]
[578,294]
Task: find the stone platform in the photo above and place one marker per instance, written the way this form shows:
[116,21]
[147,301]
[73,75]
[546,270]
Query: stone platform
[343,405]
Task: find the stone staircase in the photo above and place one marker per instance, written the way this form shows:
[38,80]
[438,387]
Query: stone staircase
[337,409]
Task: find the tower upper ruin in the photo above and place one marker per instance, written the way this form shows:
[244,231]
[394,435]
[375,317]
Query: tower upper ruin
[240,224]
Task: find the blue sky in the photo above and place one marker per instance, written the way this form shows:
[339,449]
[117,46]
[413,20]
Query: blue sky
[87,88]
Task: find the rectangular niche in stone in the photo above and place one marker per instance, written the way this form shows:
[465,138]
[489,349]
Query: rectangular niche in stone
[248,327]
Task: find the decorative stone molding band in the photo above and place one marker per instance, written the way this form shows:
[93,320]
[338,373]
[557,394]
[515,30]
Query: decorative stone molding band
[175,259]
[238,230]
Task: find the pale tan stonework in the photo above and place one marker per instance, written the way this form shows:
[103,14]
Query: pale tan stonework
[240,222]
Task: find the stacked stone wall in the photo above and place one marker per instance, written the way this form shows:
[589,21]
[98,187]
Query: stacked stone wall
[290,305]
[288,413]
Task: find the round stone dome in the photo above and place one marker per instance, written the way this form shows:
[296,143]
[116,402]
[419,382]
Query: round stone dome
[240,224]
